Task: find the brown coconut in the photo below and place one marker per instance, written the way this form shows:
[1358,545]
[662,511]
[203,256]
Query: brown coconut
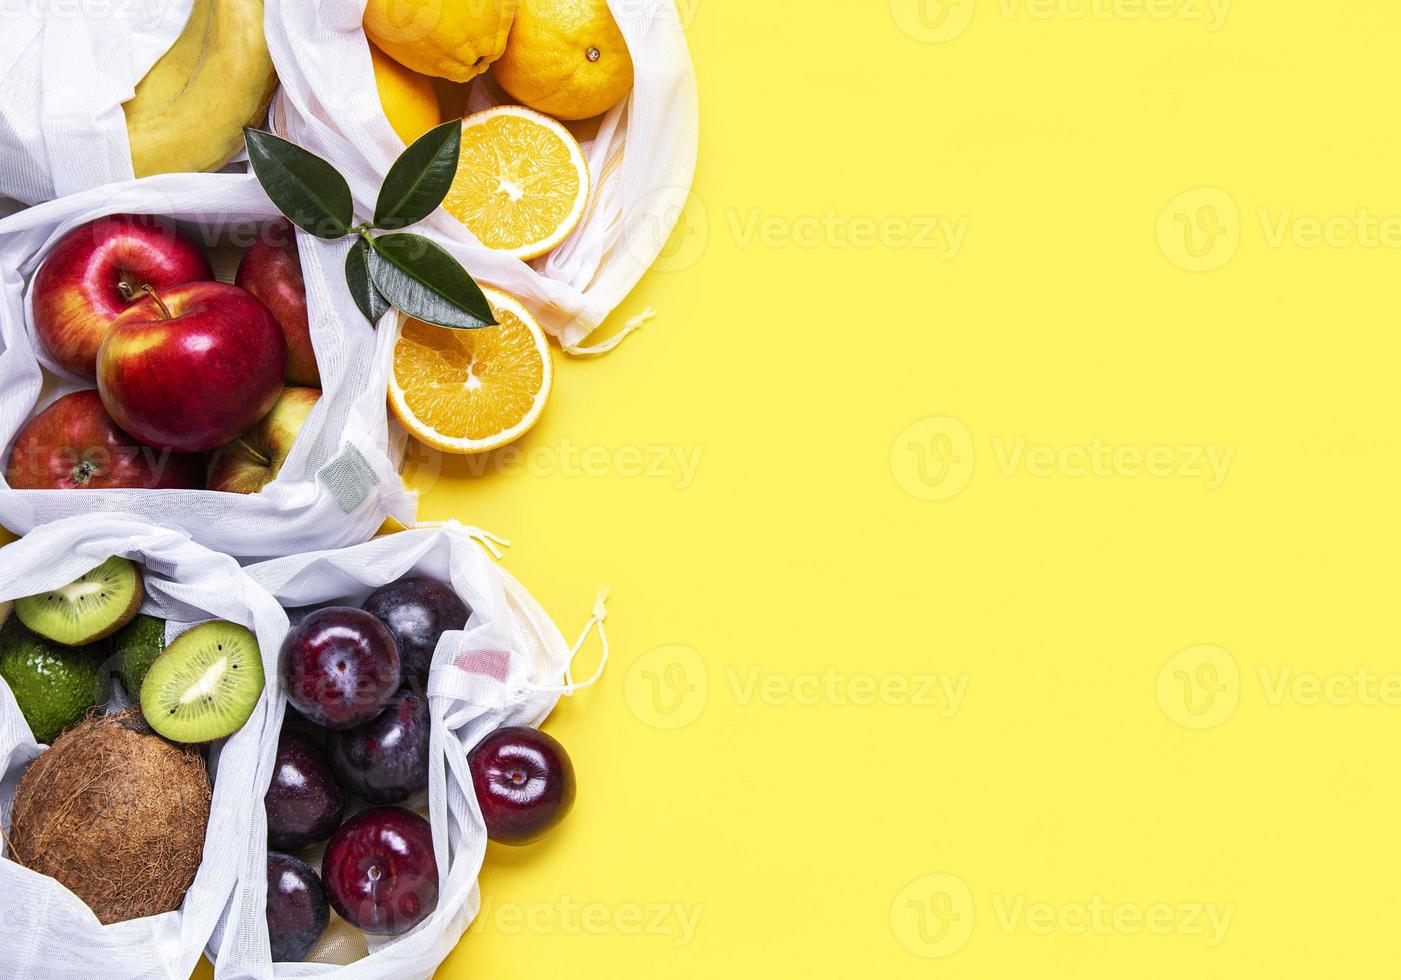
[115,813]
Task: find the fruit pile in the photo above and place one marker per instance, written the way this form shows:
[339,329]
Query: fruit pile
[358,738]
[565,58]
[522,184]
[171,378]
[198,383]
[350,780]
[116,788]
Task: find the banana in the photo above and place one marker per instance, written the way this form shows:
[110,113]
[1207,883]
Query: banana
[189,111]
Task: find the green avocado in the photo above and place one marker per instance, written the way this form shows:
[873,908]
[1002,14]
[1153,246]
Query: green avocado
[54,685]
[135,648]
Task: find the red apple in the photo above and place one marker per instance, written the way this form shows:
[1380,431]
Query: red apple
[74,445]
[96,272]
[192,367]
[272,271]
[251,462]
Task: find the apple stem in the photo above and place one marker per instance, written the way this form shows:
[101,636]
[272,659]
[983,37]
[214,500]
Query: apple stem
[165,310]
[252,452]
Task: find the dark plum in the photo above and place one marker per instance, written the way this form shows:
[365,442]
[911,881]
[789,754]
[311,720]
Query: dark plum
[380,870]
[524,782]
[385,760]
[298,911]
[304,803]
[339,667]
[418,611]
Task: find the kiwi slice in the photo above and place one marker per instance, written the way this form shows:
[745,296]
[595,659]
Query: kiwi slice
[205,685]
[90,609]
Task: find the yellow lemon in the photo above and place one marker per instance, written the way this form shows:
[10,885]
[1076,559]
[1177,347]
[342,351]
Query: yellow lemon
[410,101]
[470,391]
[456,39]
[522,183]
[566,58]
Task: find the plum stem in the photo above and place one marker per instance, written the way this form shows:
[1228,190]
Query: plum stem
[160,304]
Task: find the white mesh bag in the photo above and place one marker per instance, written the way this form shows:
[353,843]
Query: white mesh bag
[45,930]
[641,161]
[508,667]
[62,130]
[341,479]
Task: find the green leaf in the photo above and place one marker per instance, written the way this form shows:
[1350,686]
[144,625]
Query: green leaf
[420,178]
[362,287]
[425,282]
[305,188]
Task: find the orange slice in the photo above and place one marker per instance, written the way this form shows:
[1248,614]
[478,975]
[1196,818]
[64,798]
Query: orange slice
[471,391]
[522,183]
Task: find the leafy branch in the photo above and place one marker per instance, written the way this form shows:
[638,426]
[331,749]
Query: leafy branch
[398,270]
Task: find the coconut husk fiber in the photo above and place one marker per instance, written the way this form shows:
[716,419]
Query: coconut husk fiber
[116,814]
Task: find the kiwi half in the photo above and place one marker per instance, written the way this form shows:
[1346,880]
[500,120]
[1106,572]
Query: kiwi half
[205,685]
[87,610]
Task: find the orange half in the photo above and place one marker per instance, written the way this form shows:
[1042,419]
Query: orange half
[522,183]
[471,391]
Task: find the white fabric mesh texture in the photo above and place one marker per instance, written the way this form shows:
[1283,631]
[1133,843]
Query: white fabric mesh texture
[65,70]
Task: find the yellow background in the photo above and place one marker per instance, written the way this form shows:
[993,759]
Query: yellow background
[826,838]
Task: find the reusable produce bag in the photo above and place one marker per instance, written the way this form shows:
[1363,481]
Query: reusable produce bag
[340,481]
[65,70]
[45,930]
[508,667]
[641,161]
